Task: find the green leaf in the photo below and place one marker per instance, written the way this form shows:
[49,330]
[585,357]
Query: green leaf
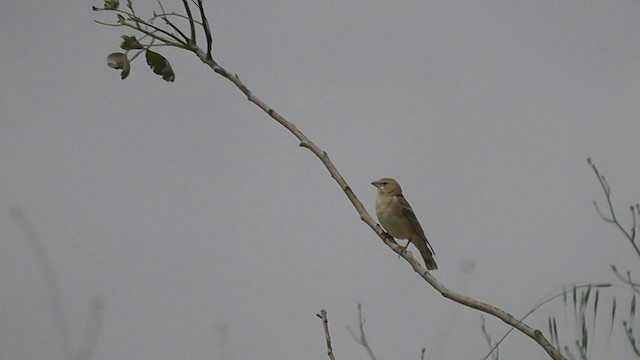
[160,65]
[125,72]
[130,43]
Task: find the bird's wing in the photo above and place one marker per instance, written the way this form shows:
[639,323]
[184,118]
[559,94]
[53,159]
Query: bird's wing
[413,220]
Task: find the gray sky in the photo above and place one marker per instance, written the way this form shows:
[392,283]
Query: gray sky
[187,210]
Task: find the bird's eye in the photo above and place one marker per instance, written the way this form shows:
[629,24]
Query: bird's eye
[385,183]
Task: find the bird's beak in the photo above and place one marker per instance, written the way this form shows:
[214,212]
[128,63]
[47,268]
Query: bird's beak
[375,183]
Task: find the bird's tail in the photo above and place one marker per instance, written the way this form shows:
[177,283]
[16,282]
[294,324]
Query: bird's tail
[427,255]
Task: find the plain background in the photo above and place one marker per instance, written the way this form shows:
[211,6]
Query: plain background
[207,233]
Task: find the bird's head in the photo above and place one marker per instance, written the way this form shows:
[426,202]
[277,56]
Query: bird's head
[387,186]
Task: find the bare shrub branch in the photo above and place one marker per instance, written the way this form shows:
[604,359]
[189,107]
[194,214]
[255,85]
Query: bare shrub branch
[325,323]
[612,218]
[362,338]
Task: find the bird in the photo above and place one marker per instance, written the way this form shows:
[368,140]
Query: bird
[398,219]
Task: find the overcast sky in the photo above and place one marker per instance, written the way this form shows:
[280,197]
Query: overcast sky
[206,231]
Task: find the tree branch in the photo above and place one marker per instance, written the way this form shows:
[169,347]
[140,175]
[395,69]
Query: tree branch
[305,142]
[206,28]
[325,323]
[164,17]
[192,25]
[630,235]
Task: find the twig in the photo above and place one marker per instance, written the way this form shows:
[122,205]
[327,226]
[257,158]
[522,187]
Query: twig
[630,235]
[627,280]
[325,323]
[494,349]
[192,26]
[563,293]
[206,28]
[362,338]
[168,22]
[152,35]
[158,29]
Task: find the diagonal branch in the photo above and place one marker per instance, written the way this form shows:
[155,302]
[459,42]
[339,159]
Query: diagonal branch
[157,29]
[322,155]
[152,34]
[305,142]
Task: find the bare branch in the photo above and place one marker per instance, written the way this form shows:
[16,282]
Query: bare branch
[487,337]
[191,22]
[606,219]
[164,17]
[205,27]
[152,34]
[305,142]
[158,29]
[107,24]
[362,338]
[630,235]
[627,280]
[325,322]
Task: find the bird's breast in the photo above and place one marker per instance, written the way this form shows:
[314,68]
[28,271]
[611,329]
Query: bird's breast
[392,218]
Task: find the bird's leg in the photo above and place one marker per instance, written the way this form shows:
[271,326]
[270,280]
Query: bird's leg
[404,248]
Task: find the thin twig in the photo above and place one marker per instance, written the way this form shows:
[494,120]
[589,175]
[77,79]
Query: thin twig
[362,338]
[627,280]
[205,27]
[107,24]
[160,15]
[630,235]
[563,293]
[487,338]
[168,22]
[191,22]
[157,37]
[325,322]
[161,30]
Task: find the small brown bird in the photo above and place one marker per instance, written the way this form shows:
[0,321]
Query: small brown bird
[397,218]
